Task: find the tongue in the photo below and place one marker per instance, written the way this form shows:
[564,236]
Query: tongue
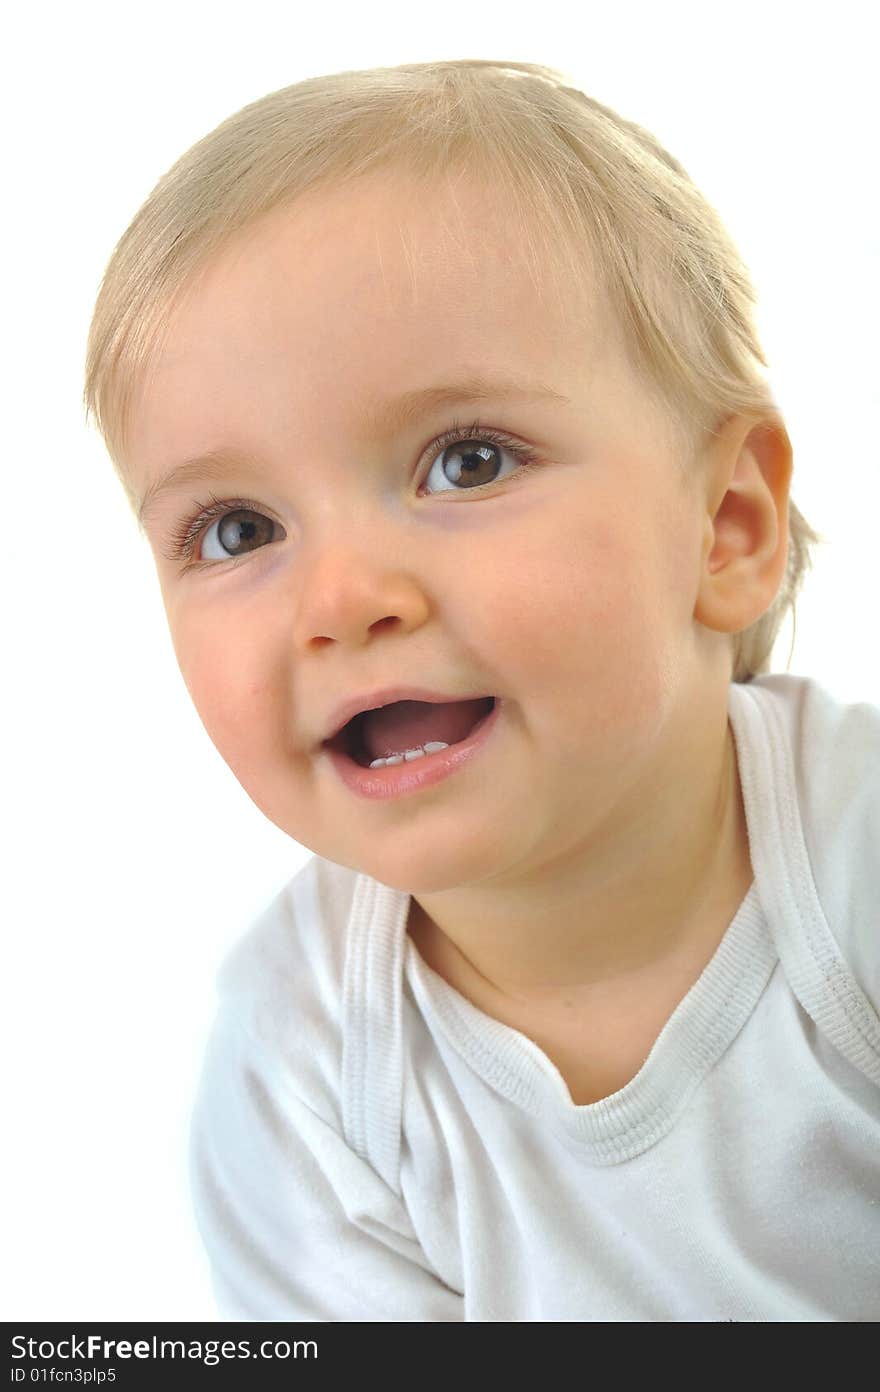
[409,724]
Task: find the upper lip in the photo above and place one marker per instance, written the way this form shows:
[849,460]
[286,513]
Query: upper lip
[372,700]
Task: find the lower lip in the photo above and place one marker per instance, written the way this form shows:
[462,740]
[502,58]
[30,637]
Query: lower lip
[395,780]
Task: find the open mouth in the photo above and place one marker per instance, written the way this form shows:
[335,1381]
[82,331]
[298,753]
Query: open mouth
[351,739]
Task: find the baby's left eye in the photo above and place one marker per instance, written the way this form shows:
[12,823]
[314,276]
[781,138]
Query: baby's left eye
[474,462]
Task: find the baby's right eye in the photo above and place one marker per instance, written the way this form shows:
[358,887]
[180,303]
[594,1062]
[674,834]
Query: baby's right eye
[224,526]
[239,528]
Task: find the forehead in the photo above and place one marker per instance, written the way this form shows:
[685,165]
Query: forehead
[354,294]
[389,247]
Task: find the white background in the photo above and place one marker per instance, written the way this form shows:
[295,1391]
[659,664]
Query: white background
[134,858]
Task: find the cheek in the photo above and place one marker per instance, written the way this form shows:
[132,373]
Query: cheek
[586,585]
[583,623]
[229,688]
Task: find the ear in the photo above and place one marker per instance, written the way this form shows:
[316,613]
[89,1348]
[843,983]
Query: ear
[746,477]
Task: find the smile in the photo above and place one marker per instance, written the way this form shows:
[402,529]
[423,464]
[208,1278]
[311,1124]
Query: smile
[411,770]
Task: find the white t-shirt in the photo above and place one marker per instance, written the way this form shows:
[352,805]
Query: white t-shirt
[368,1145]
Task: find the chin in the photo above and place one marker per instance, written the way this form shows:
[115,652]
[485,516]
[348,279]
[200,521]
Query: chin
[412,879]
[430,873]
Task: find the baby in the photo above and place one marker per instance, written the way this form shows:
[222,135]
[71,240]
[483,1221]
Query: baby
[437,393]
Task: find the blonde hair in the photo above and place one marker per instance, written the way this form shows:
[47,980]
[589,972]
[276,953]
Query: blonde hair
[611,208]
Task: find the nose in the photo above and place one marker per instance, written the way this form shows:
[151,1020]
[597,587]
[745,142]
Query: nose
[350,593]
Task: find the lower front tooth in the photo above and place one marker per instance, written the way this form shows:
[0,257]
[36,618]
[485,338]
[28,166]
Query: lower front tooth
[432,747]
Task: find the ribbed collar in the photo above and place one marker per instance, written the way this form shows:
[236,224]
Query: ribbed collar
[628,1122]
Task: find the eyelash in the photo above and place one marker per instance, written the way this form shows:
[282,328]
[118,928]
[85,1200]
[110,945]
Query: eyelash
[188,532]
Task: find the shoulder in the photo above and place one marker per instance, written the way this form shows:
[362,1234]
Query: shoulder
[282,983]
[298,1221]
[812,711]
[835,747]
[834,743]
[835,752]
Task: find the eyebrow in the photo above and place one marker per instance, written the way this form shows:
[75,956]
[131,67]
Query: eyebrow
[382,420]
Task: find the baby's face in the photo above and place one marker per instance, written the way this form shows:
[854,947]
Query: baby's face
[370,560]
